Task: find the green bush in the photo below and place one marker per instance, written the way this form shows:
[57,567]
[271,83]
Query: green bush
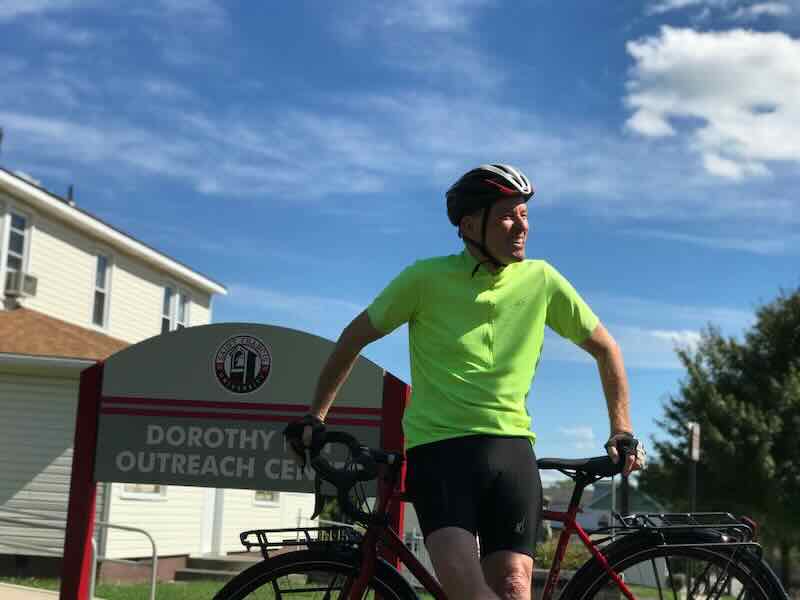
[576,555]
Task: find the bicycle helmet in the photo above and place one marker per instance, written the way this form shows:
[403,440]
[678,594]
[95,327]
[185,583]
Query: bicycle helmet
[480,188]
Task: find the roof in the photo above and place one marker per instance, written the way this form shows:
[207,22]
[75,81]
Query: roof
[638,500]
[28,332]
[83,219]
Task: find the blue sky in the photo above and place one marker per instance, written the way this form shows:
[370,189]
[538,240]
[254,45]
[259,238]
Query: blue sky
[298,152]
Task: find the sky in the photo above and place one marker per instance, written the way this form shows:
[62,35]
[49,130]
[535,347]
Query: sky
[299,152]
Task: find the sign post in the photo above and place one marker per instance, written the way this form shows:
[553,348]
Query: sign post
[205,406]
[694,457]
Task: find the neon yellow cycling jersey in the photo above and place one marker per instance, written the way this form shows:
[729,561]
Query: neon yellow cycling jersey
[475,341]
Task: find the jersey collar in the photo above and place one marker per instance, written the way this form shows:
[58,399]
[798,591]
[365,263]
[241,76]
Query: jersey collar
[470,262]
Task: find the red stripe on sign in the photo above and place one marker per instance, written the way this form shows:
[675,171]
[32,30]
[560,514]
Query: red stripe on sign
[231,417]
[345,410]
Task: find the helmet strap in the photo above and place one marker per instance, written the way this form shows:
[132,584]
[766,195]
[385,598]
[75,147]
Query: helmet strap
[482,245]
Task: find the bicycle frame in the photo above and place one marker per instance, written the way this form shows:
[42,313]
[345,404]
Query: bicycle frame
[380,532]
[571,526]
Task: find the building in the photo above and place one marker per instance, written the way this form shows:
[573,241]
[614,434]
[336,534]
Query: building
[76,290]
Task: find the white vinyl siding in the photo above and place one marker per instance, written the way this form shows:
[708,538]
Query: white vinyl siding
[243,513]
[175,523]
[37,420]
[65,264]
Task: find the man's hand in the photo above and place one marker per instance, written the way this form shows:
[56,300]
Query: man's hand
[303,435]
[635,455]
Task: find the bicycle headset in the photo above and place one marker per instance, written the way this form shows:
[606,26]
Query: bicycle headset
[480,188]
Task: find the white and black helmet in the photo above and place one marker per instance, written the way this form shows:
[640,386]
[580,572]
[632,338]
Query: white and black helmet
[484,185]
[480,188]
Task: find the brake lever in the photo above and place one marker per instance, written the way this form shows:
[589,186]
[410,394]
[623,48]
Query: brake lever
[319,500]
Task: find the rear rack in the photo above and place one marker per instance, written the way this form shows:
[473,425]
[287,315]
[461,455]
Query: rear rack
[307,537]
[724,522]
[733,531]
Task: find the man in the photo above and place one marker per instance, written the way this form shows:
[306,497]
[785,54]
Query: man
[476,326]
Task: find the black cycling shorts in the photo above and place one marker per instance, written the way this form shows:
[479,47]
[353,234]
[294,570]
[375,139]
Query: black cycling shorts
[488,485]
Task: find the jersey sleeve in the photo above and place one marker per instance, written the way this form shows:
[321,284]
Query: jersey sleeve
[567,313]
[397,303]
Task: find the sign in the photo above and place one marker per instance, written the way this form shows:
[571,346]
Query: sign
[694,441]
[207,406]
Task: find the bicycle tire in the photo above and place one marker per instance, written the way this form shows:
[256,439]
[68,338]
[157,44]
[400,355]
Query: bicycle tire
[647,555]
[310,571]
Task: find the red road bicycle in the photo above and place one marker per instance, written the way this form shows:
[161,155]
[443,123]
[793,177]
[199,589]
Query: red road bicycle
[697,556]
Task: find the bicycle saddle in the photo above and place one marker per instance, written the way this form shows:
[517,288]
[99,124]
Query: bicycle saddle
[598,466]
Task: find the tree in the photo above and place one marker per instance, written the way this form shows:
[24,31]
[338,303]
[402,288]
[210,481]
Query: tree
[746,397]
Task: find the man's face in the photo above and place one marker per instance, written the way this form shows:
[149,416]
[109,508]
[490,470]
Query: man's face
[506,229]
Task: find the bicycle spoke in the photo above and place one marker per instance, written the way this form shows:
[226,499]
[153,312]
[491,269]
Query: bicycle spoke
[671,580]
[276,590]
[719,586]
[657,578]
[698,581]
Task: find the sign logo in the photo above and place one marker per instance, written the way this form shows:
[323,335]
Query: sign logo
[242,364]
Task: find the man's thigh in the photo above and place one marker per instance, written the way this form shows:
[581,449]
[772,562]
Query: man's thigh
[443,482]
[510,510]
[482,484]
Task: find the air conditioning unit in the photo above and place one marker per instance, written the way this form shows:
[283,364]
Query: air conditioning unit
[19,283]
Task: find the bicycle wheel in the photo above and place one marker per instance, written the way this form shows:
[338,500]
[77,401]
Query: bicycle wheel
[312,575]
[652,570]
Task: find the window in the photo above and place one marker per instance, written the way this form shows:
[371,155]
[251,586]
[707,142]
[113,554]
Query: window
[183,310]
[100,312]
[174,310]
[17,243]
[166,310]
[265,497]
[144,491]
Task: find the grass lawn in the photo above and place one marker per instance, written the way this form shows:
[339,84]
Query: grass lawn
[190,590]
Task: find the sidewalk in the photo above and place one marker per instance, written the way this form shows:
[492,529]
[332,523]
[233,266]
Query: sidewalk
[18,592]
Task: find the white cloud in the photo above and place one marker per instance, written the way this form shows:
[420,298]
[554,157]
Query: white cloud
[648,331]
[13,9]
[62,34]
[682,339]
[320,315]
[740,10]
[428,39]
[581,437]
[768,244]
[295,304]
[426,16]
[663,6]
[642,348]
[753,12]
[735,93]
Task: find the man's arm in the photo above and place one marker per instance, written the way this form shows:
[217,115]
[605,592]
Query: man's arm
[355,336]
[606,352]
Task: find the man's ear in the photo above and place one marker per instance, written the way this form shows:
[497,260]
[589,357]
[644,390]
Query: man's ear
[470,224]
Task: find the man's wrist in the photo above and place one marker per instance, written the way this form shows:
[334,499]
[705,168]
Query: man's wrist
[315,418]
